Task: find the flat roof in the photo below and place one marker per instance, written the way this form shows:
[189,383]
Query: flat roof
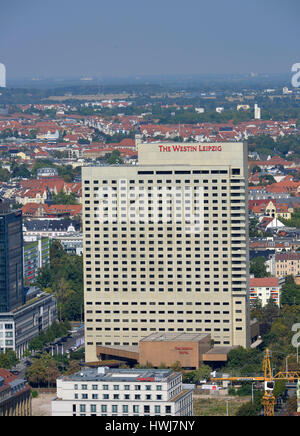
[220,350]
[121,375]
[132,349]
[175,337]
[218,354]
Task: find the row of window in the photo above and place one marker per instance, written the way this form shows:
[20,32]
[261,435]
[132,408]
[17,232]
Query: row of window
[133,181]
[105,387]
[125,397]
[160,303]
[136,409]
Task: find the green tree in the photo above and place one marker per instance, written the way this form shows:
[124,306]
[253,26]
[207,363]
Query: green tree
[176,366]
[202,373]
[8,359]
[290,292]
[114,158]
[253,228]
[36,374]
[294,221]
[73,367]
[64,278]
[258,267]
[52,373]
[248,409]
[279,388]
[4,175]
[63,198]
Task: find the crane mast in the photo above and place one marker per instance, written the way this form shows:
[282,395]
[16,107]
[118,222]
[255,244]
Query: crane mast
[268,400]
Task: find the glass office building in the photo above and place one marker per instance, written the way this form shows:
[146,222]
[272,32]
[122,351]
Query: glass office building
[11,260]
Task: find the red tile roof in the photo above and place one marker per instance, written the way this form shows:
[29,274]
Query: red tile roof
[287,256]
[264,282]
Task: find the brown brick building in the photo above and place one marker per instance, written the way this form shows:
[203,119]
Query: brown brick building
[168,348]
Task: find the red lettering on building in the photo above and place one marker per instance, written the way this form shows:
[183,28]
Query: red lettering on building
[149,379]
[187,148]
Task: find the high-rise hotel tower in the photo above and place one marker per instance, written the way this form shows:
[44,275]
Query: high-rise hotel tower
[166,245]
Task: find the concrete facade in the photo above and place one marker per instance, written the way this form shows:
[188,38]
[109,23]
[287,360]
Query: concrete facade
[166,246]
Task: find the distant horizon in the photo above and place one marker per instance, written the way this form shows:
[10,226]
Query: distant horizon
[154,79]
[145,75]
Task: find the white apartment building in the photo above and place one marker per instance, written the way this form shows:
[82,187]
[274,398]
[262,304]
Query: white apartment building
[122,392]
[266,288]
[257,112]
[166,246]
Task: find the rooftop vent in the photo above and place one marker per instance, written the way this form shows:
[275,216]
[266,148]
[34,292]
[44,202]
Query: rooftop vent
[102,369]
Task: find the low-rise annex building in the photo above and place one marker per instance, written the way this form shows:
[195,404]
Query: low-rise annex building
[122,392]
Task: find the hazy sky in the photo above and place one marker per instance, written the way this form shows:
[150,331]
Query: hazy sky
[136,37]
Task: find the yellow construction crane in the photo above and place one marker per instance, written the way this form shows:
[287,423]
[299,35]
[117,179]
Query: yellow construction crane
[268,400]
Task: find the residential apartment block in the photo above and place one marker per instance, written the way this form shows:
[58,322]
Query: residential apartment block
[166,246]
[36,255]
[287,264]
[122,392]
[266,288]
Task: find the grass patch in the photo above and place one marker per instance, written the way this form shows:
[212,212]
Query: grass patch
[217,406]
